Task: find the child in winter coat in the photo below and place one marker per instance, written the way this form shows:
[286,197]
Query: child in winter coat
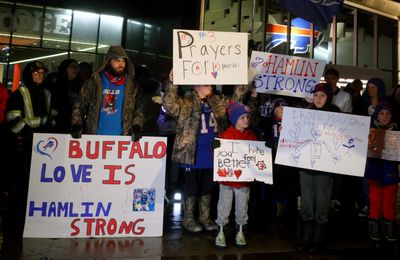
[383,176]
[239,116]
[316,187]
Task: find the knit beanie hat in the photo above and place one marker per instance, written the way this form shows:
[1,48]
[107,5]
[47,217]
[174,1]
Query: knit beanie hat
[280,102]
[324,87]
[235,111]
[382,105]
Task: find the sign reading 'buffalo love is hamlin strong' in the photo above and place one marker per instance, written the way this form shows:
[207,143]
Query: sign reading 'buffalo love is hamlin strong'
[96,186]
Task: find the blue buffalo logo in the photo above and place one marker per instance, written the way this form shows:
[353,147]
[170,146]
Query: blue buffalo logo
[46,147]
[299,38]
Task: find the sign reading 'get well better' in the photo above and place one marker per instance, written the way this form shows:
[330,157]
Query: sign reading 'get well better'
[202,57]
[96,186]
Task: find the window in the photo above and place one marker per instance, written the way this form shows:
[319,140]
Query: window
[84,31]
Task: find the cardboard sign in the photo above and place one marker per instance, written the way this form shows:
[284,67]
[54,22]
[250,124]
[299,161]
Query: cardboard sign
[202,57]
[242,161]
[323,141]
[284,75]
[96,186]
[384,144]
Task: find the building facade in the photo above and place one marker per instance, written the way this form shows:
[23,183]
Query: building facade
[361,42]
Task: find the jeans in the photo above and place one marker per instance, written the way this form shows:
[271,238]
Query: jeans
[316,193]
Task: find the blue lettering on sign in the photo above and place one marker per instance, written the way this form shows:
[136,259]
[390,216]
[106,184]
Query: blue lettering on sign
[69,209]
[82,174]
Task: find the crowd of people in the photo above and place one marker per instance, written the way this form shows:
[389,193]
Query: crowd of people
[120,99]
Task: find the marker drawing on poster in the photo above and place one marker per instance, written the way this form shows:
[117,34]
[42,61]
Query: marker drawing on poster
[205,57]
[238,160]
[323,141]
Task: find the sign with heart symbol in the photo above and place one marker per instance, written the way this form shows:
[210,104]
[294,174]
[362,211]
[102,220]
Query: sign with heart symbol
[237,173]
[214,74]
[242,161]
[46,147]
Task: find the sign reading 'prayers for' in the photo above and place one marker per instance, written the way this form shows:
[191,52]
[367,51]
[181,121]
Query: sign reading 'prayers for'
[238,160]
[284,75]
[96,186]
[202,57]
[323,141]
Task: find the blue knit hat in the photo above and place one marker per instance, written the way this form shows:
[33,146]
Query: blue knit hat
[382,105]
[235,111]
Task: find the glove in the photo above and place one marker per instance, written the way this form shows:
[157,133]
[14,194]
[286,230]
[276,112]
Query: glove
[137,133]
[215,143]
[76,131]
[268,143]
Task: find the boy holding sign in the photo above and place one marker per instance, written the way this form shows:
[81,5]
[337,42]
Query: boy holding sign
[239,116]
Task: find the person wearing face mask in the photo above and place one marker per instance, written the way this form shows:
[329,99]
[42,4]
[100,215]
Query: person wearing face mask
[110,102]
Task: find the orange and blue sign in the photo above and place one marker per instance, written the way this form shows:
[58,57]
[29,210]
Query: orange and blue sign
[299,38]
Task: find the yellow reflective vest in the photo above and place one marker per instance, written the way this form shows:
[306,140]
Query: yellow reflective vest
[30,119]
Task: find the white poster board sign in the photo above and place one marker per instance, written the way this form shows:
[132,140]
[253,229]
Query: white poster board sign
[242,161]
[323,141]
[284,75]
[203,57]
[96,186]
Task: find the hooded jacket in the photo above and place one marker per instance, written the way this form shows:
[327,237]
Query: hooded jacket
[87,110]
[39,99]
[187,111]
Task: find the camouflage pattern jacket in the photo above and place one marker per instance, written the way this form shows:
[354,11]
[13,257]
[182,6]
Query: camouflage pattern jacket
[86,112]
[187,111]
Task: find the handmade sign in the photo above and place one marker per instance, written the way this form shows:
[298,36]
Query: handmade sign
[284,75]
[95,186]
[384,144]
[202,57]
[238,160]
[323,141]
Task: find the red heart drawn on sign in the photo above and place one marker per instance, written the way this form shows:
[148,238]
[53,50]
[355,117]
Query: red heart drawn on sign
[222,172]
[214,74]
[237,173]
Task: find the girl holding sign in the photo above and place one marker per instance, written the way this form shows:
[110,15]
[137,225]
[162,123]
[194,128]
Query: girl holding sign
[316,186]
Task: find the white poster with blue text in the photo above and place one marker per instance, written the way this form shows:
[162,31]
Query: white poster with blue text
[323,141]
[206,57]
[284,75]
[242,161]
[96,186]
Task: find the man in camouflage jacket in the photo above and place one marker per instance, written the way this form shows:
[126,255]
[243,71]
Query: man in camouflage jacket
[86,113]
[189,111]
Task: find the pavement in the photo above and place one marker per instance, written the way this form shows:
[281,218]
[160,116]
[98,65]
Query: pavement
[268,237]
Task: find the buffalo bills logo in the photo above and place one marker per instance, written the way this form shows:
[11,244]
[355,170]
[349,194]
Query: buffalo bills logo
[299,37]
[46,147]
